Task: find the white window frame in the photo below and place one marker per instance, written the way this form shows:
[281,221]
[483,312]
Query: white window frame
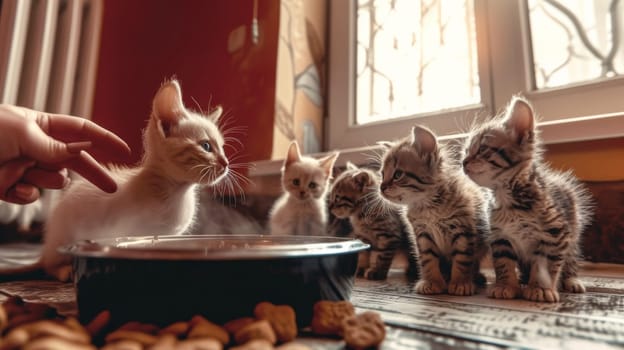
[585,111]
[573,113]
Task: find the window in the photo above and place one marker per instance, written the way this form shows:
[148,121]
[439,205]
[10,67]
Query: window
[404,47]
[443,63]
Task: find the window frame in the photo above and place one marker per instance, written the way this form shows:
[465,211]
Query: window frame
[505,69]
[563,112]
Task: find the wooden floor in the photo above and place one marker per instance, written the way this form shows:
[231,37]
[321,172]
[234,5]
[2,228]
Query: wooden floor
[594,320]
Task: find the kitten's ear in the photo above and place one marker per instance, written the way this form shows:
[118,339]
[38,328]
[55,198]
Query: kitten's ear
[520,120]
[168,106]
[293,154]
[327,163]
[423,140]
[385,144]
[216,114]
[351,166]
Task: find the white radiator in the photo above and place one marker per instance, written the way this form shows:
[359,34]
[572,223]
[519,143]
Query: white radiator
[48,54]
[48,61]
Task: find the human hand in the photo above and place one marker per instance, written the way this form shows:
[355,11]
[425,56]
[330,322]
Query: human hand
[37,148]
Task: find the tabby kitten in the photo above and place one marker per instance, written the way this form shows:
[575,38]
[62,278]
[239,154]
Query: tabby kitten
[355,195]
[446,211]
[537,214]
[302,209]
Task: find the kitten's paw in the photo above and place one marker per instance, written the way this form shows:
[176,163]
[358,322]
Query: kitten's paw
[430,287]
[573,285]
[375,275]
[540,294]
[462,288]
[503,291]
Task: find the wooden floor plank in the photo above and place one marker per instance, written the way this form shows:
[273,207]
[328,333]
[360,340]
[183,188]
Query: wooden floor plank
[593,320]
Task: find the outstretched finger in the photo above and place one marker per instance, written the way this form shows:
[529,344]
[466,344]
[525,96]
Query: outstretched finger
[70,129]
[92,171]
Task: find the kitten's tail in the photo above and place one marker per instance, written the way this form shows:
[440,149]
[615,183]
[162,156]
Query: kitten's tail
[31,271]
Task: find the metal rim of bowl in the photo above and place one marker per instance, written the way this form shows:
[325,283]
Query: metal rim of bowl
[248,248]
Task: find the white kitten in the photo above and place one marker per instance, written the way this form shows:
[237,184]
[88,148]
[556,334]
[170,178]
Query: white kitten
[302,209]
[157,197]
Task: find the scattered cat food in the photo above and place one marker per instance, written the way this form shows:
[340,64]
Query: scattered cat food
[202,328]
[273,327]
[364,331]
[234,326]
[258,330]
[328,316]
[281,317]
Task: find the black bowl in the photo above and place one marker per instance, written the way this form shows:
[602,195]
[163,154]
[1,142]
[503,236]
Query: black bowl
[166,279]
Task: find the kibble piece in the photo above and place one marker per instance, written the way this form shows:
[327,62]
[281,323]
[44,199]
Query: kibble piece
[255,344]
[125,344]
[55,343]
[293,346]
[364,331]
[199,344]
[15,339]
[73,324]
[202,328]
[121,334]
[281,317]
[328,316]
[46,328]
[235,325]
[165,342]
[258,330]
[178,329]
[98,323]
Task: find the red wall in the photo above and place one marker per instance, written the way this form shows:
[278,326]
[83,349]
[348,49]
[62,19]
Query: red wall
[143,42]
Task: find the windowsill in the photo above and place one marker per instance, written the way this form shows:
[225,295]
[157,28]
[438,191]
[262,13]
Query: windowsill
[603,126]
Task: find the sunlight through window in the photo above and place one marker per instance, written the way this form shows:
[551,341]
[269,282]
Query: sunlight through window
[414,57]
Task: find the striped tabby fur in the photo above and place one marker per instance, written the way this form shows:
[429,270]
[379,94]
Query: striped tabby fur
[537,214]
[446,211]
[355,195]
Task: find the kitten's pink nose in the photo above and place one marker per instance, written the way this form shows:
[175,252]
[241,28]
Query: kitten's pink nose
[222,161]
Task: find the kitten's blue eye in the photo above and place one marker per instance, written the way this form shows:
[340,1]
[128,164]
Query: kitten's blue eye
[206,146]
[296,182]
[397,174]
[312,185]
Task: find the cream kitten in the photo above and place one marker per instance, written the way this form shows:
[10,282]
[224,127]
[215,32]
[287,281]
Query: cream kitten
[302,209]
[183,149]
